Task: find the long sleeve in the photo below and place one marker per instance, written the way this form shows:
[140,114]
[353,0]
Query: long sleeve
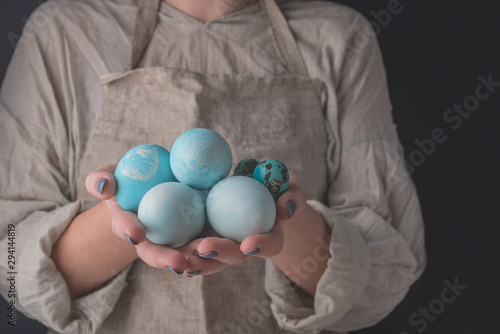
[377,234]
[51,98]
[41,139]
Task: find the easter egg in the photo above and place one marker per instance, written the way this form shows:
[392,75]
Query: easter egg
[239,206]
[139,170]
[172,214]
[273,174]
[200,158]
[245,167]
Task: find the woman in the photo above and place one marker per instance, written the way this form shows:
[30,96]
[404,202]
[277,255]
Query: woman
[302,82]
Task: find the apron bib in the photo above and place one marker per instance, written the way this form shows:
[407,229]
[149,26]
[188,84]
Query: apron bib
[260,117]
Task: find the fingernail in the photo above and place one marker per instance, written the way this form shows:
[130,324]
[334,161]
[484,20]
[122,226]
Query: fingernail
[207,256]
[173,271]
[194,273]
[253,252]
[100,184]
[130,241]
[291,207]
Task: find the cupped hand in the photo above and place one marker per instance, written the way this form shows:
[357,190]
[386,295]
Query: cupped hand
[215,253]
[125,225]
[205,255]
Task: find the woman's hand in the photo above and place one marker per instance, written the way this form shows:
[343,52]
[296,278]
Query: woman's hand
[216,253]
[204,255]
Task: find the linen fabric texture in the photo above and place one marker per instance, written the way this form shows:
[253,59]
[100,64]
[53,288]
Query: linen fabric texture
[50,104]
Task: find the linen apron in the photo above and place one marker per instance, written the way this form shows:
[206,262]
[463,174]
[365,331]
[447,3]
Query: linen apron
[260,117]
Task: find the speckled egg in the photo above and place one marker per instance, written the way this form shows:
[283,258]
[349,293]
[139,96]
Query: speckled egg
[239,206]
[245,167]
[200,158]
[273,174]
[172,214]
[139,170]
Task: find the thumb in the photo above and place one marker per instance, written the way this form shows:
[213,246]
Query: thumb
[101,182]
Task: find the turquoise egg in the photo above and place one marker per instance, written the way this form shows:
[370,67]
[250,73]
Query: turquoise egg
[200,158]
[139,170]
[239,206]
[172,214]
[273,174]
[245,167]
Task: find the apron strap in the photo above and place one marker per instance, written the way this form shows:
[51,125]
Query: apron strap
[284,42]
[144,26]
[283,39]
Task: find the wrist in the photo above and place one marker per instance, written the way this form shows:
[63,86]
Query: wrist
[88,253]
[305,250]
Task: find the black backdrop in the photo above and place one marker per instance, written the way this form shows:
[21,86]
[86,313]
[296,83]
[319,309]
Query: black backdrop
[435,53]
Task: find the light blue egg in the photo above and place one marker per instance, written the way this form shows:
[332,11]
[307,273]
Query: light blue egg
[200,158]
[239,206]
[172,214]
[139,170]
[273,174]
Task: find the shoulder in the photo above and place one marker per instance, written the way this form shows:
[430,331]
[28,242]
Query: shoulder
[95,31]
[56,17]
[325,17]
[318,9]
[75,7]
[329,28]
[333,31]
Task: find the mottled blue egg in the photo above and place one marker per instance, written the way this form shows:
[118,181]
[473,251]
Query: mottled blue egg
[239,206]
[139,170]
[200,158]
[273,174]
[245,167]
[172,214]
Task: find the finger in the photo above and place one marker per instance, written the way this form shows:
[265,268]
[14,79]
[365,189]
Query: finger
[221,249]
[125,223]
[199,266]
[293,201]
[161,257]
[265,245]
[101,182]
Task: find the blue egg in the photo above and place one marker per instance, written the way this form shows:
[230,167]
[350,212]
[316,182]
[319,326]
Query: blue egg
[273,174]
[172,214]
[239,206]
[246,167]
[139,170]
[200,158]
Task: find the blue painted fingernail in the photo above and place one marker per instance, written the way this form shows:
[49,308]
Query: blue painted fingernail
[253,252]
[194,273]
[100,184]
[173,271]
[207,256]
[130,241]
[291,207]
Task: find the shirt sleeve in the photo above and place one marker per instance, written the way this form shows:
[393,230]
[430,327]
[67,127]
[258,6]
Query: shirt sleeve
[39,137]
[377,233]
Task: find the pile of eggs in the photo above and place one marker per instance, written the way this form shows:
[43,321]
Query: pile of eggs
[168,190]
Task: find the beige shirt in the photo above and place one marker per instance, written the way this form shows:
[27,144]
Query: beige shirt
[50,101]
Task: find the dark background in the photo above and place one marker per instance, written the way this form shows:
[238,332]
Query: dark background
[434,52]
